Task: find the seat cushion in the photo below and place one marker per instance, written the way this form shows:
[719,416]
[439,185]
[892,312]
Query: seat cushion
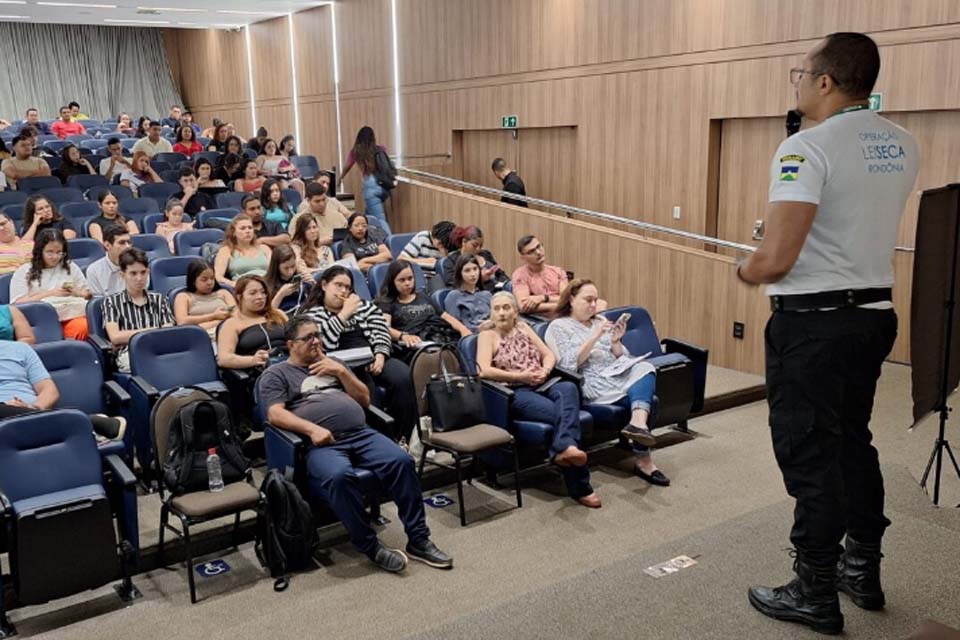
[532,434]
[608,416]
[472,439]
[58,498]
[234,497]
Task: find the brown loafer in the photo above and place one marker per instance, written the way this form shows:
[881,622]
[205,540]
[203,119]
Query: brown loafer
[570,457]
[592,501]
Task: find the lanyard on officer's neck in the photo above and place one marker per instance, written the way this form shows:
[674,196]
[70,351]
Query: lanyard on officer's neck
[855,107]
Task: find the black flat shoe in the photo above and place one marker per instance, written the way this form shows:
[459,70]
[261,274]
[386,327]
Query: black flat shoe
[657,478]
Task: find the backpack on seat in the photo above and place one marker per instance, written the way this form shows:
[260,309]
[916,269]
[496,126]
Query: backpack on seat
[197,422]
[286,534]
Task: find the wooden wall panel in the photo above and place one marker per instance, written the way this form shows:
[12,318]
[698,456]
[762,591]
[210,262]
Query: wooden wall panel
[313,36]
[693,295]
[366,45]
[270,52]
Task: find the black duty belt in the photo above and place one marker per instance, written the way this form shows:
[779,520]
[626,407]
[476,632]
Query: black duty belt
[830,299]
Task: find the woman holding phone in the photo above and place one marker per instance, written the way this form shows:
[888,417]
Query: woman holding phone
[586,342]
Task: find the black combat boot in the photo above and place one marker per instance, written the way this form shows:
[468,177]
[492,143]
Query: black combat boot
[810,598]
[858,574]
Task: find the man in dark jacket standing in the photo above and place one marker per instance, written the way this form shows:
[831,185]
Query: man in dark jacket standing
[511,182]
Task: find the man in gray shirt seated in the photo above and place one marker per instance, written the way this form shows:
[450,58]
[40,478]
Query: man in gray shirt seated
[320,398]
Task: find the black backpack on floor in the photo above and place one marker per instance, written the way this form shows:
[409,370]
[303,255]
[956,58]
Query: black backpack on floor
[198,423]
[286,535]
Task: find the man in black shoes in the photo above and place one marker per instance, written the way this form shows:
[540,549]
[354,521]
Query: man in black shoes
[320,398]
[837,190]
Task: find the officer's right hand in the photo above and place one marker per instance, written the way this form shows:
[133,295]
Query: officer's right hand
[320,437]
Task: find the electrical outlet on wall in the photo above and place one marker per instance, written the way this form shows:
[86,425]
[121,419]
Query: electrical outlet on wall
[738,329]
[676,213]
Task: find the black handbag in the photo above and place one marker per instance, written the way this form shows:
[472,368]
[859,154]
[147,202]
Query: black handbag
[455,399]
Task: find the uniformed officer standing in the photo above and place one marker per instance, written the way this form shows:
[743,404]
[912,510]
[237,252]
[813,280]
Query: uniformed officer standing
[837,191]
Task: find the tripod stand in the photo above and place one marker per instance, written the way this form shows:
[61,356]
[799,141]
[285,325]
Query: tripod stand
[941,444]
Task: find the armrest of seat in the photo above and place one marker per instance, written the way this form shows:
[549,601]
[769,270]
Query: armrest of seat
[121,471]
[106,352]
[573,376]
[698,356]
[379,420]
[284,448]
[115,394]
[147,389]
[6,521]
[496,400]
[235,376]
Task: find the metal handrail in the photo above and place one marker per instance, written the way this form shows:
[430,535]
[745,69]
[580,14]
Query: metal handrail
[596,214]
[647,226]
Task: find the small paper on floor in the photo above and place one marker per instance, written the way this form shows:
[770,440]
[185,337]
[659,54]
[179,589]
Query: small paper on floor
[670,566]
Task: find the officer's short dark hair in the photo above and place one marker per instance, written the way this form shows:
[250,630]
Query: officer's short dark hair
[852,60]
[499,164]
[133,256]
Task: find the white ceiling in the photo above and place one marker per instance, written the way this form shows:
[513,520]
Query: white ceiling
[222,14]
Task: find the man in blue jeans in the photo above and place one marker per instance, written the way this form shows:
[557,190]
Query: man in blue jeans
[320,398]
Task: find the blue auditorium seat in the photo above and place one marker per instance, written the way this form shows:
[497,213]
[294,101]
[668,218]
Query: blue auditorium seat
[141,206]
[167,273]
[223,214]
[159,191]
[292,196]
[378,273]
[306,165]
[172,158]
[360,286]
[230,200]
[155,246]
[38,183]
[86,182]
[13,197]
[398,241]
[121,192]
[5,288]
[149,222]
[76,210]
[43,320]
[84,251]
[189,243]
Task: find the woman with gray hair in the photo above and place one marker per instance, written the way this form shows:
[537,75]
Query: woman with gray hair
[513,354]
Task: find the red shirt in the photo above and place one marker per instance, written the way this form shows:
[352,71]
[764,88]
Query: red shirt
[187,151]
[63,129]
[550,280]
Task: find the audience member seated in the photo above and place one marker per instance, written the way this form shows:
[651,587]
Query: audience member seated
[274,165]
[242,253]
[365,244]
[233,145]
[109,216]
[230,167]
[75,112]
[205,178]
[312,256]
[50,277]
[512,353]
[30,134]
[218,138]
[210,132]
[191,198]
[22,164]
[104,276]
[427,247]
[204,302]
[587,342]
[256,142]
[173,118]
[536,284]
[269,233]
[26,386]
[468,303]
[134,310]
[73,164]
[66,125]
[4,154]
[186,120]
[139,173]
[288,286]
[347,322]
[154,143]
[115,163]
[251,180]
[275,207]
[186,142]
[143,127]
[14,251]
[321,399]
[253,335]
[288,146]
[469,241]
[173,222]
[328,217]
[125,125]
[39,213]
[411,316]
[33,120]
[14,326]
[363,154]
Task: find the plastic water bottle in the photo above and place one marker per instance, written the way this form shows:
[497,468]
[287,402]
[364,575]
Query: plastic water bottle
[214,471]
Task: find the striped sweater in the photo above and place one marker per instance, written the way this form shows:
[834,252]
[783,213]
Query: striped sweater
[368,318]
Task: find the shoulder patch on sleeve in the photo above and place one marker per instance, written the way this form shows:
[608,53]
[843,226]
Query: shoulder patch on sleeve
[792,158]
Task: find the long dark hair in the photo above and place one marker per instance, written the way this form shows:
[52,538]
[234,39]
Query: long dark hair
[265,196]
[193,134]
[103,196]
[462,262]
[140,132]
[364,148]
[470,232]
[315,299]
[284,141]
[308,250]
[194,269]
[280,254]
[36,259]
[65,155]
[199,163]
[226,144]
[388,290]
[271,315]
[30,210]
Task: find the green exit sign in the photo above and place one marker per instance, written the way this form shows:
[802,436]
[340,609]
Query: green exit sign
[508,122]
[876,101]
